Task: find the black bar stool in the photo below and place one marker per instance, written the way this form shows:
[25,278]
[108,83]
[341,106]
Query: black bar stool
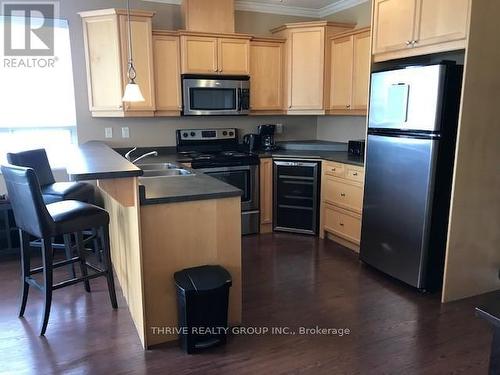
[35,218]
[53,191]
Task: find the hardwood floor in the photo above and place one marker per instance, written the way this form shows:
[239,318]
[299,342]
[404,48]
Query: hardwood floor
[288,280]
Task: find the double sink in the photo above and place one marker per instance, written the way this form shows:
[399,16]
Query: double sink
[164,170]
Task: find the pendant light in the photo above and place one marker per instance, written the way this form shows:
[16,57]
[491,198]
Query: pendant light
[132,90]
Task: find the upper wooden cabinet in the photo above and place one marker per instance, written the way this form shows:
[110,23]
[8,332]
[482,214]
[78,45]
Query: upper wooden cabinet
[215,54]
[215,16]
[404,28]
[305,64]
[266,75]
[350,70]
[166,52]
[105,36]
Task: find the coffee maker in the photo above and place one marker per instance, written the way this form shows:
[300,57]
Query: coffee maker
[266,134]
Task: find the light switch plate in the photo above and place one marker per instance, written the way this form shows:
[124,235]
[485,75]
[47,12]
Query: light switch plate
[108,132]
[125,132]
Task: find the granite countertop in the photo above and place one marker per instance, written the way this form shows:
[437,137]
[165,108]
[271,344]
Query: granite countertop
[97,161]
[158,190]
[332,151]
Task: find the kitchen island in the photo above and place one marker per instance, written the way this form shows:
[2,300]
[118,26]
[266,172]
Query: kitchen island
[160,225]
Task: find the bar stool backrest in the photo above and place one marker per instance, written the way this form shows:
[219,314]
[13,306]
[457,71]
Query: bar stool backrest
[25,197]
[36,159]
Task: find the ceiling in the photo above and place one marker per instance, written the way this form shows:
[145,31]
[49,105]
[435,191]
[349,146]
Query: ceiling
[305,8]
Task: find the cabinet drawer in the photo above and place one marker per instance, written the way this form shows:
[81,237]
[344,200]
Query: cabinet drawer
[334,169]
[355,174]
[344,194]
[342,223]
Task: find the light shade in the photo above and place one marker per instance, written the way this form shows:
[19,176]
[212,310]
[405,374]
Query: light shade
[133,93]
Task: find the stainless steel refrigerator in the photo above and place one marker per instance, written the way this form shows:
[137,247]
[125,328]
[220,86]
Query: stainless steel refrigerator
[412,125]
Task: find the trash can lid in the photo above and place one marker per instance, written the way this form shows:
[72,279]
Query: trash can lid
[202,278]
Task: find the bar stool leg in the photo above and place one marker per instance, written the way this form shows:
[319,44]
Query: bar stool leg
[69,254]
[47,259]
[96,242]
[25,269]
[80,248]
[109,266]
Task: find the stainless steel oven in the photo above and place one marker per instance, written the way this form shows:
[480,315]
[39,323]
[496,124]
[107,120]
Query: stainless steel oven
[246,178]
[215,95]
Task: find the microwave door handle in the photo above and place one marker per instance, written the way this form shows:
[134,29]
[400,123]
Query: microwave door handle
[240,102]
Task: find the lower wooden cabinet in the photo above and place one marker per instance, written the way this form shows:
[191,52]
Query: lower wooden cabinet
[342,203]
[342,223]
[266,195]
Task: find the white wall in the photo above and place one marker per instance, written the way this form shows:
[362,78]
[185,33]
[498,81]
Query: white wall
[341,128]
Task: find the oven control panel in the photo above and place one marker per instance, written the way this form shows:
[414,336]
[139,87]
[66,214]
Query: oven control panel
[207,134]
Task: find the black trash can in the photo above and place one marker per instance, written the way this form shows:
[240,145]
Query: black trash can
[202,303]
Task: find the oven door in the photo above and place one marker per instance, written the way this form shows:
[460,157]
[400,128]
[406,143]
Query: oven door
[214,96]
[245,178]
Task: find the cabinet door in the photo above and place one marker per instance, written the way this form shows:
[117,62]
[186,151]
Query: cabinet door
[306,73]
[361,71]
[266,193]
[167,73]
[341,73]
[342,223]
[343,194]
[199,54]
[393,24]
[266,72]
[142,48]
[441,21]
[234,56]
[102,52]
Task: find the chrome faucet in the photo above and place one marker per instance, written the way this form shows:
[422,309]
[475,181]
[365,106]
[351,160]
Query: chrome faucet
[127,155]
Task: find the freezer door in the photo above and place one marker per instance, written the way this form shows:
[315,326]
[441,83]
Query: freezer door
[397,206]
[407,99]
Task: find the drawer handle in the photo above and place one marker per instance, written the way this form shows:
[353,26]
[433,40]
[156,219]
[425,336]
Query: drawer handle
[355,174]
[342,194]
[334,169]
[341,224]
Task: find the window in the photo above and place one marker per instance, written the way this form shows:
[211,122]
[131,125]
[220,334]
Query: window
[37,99]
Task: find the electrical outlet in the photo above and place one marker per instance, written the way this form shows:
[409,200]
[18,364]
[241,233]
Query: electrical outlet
[279,128]
[125,132]
[108,132]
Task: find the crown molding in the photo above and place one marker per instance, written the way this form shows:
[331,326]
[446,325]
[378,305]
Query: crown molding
[339,6]
[252,6]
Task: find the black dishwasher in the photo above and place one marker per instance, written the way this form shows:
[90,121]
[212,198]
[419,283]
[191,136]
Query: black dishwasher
[296,196]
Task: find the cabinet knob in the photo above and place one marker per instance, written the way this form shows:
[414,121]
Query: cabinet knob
[408,42]
[413,42]
[342,194]
[355,174]
[348,106]
[334,169]
[341,224]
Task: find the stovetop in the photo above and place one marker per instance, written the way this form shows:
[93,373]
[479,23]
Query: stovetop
[200,160]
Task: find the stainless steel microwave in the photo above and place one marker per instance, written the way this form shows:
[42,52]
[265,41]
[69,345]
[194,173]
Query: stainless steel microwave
[215,95]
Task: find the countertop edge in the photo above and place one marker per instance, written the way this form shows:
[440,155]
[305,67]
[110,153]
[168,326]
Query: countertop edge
[184,198]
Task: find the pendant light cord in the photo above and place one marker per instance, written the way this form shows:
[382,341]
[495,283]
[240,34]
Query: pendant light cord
[131,69]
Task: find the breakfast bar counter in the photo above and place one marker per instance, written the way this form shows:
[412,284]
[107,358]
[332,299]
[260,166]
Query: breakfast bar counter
[158,226]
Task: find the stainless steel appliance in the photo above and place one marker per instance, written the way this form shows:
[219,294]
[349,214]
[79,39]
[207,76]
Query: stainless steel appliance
[296,196]
[215,153]
[409,164]
[215,95]
[266,133]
